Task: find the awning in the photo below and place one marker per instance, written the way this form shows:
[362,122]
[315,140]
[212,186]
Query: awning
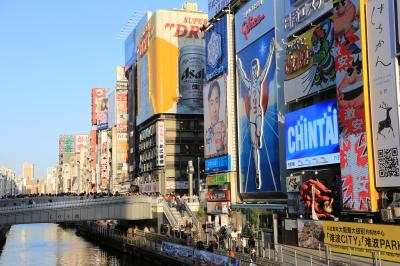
[260,206]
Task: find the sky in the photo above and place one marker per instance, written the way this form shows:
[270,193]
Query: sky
[51,54]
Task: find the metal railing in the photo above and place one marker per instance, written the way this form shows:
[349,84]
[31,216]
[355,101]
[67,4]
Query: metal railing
[168,213]
[195,221]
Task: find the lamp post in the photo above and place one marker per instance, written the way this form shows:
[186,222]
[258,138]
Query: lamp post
[190,171]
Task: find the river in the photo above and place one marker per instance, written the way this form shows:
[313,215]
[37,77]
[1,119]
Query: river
[50,244]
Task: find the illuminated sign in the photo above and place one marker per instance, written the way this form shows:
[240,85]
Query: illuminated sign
[219,179]
[298,14]
[312,136]
[218,164]
[219,195]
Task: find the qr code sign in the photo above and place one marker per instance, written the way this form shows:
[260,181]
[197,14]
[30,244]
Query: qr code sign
[388,162]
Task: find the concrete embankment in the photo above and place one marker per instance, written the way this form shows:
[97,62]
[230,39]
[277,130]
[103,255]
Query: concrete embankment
[138,246]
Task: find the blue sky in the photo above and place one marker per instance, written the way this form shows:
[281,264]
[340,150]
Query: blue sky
[51,54]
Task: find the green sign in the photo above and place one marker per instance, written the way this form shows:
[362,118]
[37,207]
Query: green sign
[219,179]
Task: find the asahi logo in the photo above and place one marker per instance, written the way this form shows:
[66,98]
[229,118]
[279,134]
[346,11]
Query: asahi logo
[189,74]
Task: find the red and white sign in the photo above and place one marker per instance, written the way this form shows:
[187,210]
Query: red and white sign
[104,167]
[219,195]
[80,141]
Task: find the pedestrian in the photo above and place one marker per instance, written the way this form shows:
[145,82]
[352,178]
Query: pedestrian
[231,253]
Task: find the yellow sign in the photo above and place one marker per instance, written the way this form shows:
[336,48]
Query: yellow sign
[363,239]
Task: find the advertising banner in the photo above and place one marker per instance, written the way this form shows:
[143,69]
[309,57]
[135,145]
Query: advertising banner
[172,184]
[215,118]
[215,6]
[258,117]
[102,115]
[218,179]
[310,66]
[148,187]
[219,195]
[300,13]
[202,257]
[80,141]
[252,21]
[171,64]
[217,49]
[97,97]
[218,207]
[312,136]
[176,250]
[310,233]
[362,239]
[218,164]
[122,111]
[104,160]
[383,93]
[67,143]
[160,143]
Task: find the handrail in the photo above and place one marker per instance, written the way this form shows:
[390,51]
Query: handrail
[168,213]
[195,221]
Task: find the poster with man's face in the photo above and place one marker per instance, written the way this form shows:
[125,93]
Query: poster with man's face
[215,122]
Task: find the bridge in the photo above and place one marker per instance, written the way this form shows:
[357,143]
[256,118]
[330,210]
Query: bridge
[75,209]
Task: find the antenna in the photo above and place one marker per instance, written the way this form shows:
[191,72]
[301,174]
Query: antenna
[130,24]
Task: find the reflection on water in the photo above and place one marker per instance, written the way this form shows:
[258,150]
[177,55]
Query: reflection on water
[49,244]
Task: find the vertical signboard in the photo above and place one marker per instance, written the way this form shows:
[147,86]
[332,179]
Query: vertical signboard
[93,158]
[383,91]
[310,66]
[80,141]
[97,97]
[102,115]
[300,13]
[171,62]
[215,118]
[217,49]
[104,166]
[122,111]
[68,144]
[257,100]
[215,6]
[160,142]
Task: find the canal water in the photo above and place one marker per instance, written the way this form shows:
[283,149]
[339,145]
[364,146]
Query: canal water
[50,244]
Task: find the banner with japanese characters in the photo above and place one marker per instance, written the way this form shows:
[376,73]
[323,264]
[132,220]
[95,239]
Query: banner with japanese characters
[383,92]
[361,239]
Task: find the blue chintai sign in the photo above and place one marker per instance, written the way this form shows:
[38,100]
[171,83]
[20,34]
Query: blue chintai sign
[218,164]
[312,136]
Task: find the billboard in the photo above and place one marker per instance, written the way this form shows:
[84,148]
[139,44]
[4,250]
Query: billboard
[219,195]
[218,164]
[383,72]
[310,66]
[97,97]
[93,157]
[217,49]
[122,111]
[312,136]
[215,6]
[67,143]
[171,62]
[253,20]
[258,142]
[130,48]
[102,114]
[80,141]
[301,13]
[104,160]
[215,118]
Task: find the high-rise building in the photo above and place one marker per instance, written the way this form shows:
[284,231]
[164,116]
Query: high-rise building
[28,172]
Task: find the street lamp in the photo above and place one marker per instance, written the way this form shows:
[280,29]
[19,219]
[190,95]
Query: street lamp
[190,172]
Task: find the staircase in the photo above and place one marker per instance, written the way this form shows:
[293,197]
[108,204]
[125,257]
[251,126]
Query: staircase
[181,220]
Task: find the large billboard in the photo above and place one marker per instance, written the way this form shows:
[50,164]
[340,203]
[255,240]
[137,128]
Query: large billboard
[104,160]
[171,62]
[122,111]
[102,115]
[80,141]
[253,20]
[310,66]
[383,74]
[217,49]
[215,118]
[312,136]
[97,97]
[257,117]
[301,13]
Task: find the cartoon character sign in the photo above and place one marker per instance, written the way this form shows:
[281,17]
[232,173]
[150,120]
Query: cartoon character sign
[258,127]
[310,66]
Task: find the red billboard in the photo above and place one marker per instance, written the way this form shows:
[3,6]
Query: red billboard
[98,94]
[80,141]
